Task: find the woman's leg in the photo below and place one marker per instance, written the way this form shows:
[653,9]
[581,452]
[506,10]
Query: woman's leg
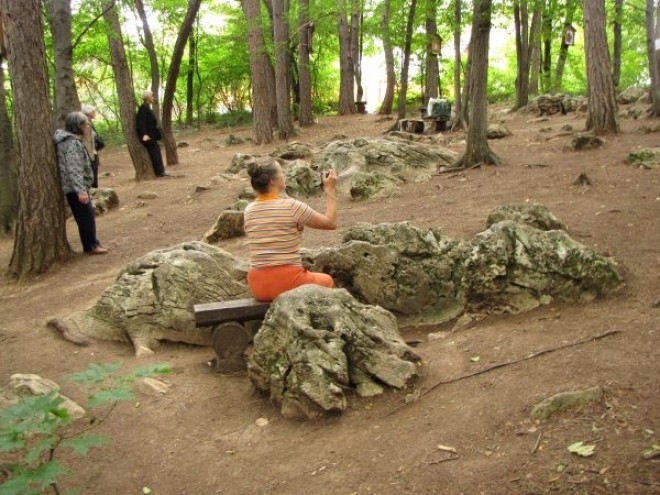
[84,216]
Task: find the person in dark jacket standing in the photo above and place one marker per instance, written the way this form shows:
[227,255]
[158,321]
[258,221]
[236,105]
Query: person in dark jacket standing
[149,133]
[76,177]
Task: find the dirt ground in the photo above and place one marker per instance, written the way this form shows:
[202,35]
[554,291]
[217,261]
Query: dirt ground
[202,437]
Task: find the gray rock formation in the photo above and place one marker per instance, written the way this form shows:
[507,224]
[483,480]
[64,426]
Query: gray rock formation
[497,131]
[27,384]
[238,162]
[293,151]
[152,298]
[631,95]
[534,215]
[586,141]
[648,158]
[372,184]
[426,277]
[104,199]
[317,343]
[301,179]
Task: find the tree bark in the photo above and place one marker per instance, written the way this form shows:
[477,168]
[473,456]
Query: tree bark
[601,114]
[153,57]
[305,116]
[546,59]
[40,240]
[521,22]
[282,93]
[388,97]
[616,56]
[477,150]
[171,155]
[356,47]
[346,64]
[125,94]
[535,49]
[190,80]
[403,87]
[432,84]
[459,119]
[263,75]
[66,95]
[563,49]
[8,170]
[653,62]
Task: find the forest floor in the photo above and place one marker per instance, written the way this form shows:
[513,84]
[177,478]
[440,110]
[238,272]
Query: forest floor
[202,436]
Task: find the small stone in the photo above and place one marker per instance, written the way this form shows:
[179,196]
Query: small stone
[261,422]
[153,387]
[147,195]
[565,400]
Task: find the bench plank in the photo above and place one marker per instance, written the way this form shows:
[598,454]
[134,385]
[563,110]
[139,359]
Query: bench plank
[207,314]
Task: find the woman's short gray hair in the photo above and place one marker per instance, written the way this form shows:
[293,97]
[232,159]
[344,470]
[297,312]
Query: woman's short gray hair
[74,122]
[146,93]
[87,109]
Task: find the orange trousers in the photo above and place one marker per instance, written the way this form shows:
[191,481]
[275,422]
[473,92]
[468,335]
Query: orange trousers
[269,282]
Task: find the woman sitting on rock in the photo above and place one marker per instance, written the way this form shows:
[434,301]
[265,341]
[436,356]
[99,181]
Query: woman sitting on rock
[274,224]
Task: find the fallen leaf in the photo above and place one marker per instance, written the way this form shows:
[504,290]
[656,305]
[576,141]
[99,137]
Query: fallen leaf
[652,452]
[475,359]
[561,467]
[581,449]
[446,448]
[146,490]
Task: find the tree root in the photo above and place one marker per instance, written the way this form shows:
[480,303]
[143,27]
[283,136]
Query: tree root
[66,333]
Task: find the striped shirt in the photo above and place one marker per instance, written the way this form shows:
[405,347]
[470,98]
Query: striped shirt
[274,231]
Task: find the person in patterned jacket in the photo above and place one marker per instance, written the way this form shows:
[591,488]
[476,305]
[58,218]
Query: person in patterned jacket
[77,176]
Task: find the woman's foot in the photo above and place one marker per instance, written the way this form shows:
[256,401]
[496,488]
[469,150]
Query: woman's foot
[98,250]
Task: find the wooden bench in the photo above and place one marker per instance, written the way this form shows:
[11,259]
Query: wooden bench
[240,310]
[231,336]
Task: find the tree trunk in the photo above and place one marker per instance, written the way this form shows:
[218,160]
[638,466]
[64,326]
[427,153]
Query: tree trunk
[7,164]
[171,155]
[653,63]
[281,42]
[388,97]
[477,150]
[563,49]
[432,85]
[66,95]
[346,65]
[153,57]
[263,75]
[40,240]
[403,87]
[305,116]
[459,119]
[616,56]
[126,95]
[521,22]
[601,115]
[356,47]
[190,80]
[546,59]
[535,49]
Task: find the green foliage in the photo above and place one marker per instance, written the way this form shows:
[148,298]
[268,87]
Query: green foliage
[33,429]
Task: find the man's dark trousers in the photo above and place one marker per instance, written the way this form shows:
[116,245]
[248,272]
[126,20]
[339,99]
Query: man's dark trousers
[153,149]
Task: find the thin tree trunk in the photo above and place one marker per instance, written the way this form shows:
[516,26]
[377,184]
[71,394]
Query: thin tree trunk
[403,87]
[263,75]
[281,41]
[616,56]
[190,80]
[546,59]
[346,64]
[653,62]
[40,239]
[126,95]
[601,115]
[66,95]
[305,116]
[356,49]
[521,21]
[8,170]
[535,49]
[477,150]
[171,154]
[459,119]
[153,57]
[432,85]
[563,49]
[388,97]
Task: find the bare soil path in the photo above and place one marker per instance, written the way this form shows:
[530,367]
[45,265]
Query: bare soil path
[201,437]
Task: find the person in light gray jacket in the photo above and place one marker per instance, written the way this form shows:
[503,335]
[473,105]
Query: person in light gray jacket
[77,176]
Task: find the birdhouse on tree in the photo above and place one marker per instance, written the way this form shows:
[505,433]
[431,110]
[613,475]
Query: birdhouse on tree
[435,44]
[569,35]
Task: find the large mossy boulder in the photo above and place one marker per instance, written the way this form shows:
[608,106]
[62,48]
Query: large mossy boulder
[534,215]
[301,179]
[152,298]
[648,158]
[316,344]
